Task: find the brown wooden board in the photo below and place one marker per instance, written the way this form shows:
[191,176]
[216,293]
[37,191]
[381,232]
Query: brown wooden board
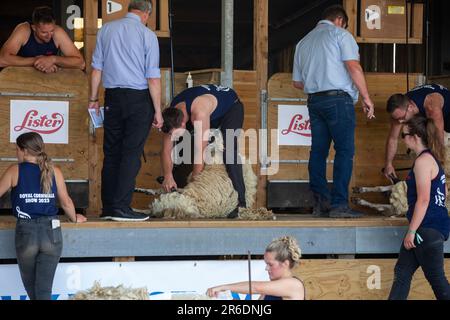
[24,80]
[355,279]
[391,27]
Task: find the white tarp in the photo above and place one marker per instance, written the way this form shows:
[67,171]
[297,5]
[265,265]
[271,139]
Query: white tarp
[160,278]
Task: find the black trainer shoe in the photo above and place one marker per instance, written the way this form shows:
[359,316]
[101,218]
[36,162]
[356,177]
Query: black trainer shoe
[345,212]
[106,214]
[124,215]
[233,214]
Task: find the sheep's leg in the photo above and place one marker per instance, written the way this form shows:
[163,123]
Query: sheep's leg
[151,192]
[376,206]
[372,189]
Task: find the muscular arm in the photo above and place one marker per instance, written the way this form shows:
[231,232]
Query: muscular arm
[200,141]
[433,105]
[8,53]
[391,148]
[167,164]
[72,57]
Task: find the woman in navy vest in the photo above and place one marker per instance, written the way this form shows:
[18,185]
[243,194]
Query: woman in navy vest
[429,223]
[35,184]
[281,256]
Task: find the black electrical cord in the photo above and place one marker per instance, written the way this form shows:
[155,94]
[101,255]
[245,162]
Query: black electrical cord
[172,72]
[407,43]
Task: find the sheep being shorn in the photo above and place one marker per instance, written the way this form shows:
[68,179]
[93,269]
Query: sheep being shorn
[211,194]
[398,203]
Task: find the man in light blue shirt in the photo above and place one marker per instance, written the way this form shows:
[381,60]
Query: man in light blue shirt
[327,68]
[126,58]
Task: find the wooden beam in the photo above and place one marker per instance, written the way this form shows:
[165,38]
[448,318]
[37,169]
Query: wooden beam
[260,64]
[164,17]
[90,31]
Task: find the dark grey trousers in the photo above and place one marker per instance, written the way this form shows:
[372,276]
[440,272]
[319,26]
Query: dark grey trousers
[38,249]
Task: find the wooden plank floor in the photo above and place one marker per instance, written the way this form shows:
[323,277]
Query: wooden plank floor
[282,220]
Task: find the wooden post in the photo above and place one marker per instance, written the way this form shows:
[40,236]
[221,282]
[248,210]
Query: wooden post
[350,7]
[90,31]
[260,64]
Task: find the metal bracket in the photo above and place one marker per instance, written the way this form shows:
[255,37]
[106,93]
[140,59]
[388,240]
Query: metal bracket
[37,94]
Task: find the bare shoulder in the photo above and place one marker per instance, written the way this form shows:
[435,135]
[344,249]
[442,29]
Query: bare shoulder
[21,32]
[425,160]
[58,173]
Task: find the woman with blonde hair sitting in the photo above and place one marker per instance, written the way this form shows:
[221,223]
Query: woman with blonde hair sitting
[281,256]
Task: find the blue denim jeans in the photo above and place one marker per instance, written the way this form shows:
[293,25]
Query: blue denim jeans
[332,119]
[38,249]
[430,256]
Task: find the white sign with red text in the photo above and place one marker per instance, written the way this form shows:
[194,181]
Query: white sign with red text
[48,118]
[294,127]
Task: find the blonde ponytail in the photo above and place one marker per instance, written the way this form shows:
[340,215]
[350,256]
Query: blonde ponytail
[47,172]
[34,144]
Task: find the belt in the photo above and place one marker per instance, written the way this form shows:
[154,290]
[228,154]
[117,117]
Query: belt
[329,93]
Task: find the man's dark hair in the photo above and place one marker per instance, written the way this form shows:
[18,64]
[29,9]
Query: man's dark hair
[396,101]
[42,15]
[173,118]
[334,12]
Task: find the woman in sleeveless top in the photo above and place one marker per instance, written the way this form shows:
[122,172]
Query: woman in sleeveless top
[429,223]
[35,185]
[281,256]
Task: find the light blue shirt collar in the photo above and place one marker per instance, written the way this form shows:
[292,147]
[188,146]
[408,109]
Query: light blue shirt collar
[133,16]
[326,22]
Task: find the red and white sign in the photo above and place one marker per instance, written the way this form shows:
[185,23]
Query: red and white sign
[294,127]
[48,118]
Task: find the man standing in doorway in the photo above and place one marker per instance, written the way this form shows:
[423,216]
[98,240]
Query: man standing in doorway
[126,58]
[327,68]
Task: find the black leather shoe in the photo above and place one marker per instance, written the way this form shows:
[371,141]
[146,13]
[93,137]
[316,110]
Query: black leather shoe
[123,215]
[321,207]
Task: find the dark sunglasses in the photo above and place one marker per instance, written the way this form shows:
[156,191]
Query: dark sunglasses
[406,134]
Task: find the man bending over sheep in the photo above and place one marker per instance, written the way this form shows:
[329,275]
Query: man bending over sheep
[205,107]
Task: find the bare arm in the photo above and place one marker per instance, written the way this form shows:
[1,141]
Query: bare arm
[391,148]
[298,84]
[8,53]
[200,141]
[433,105]
[7,180]
[64,198]
[72,57]
[424,168]
[356,73]
[167,164]
[287,288]
[96,77]
[154,85]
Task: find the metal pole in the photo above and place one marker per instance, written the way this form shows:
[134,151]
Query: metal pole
[249,274]
[172,72]
[226,77]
